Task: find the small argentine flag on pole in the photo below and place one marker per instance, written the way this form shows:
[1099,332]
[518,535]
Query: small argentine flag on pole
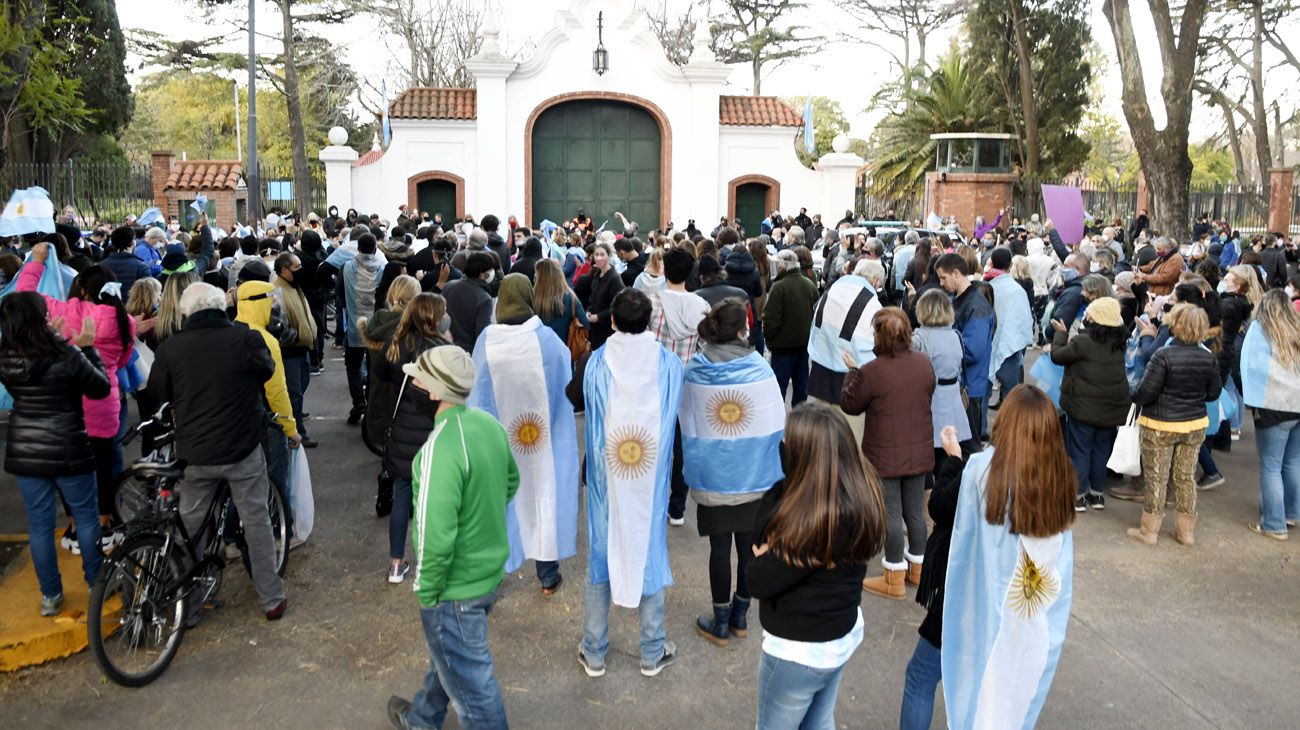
[28,211]
[809,143]
[388,129]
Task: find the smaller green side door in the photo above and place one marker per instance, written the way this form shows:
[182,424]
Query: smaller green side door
[750,200]
[437,196]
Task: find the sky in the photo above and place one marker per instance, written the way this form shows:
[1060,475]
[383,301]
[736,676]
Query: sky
[836,72]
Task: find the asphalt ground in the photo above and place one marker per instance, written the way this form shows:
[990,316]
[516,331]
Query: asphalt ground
[1164,637]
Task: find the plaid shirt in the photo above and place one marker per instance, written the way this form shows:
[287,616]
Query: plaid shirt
[683,348]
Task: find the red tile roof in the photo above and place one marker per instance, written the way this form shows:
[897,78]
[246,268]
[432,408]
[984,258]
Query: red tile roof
[435,103]
[205,175]
[757,111]
[369,157]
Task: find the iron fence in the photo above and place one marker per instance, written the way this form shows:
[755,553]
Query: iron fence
[277,187]
[100,191]
[878,200]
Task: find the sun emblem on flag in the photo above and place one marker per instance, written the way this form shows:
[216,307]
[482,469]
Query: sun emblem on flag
[527,433]
[1032,590]
[730,412]
[21,207]
[629,452]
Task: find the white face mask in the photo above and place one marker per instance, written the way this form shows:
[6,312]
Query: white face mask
[491,276]
[1290,292]
[1094,267]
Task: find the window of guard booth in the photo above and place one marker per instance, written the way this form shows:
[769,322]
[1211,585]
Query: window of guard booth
[990,154]
[961,155]
[941,154]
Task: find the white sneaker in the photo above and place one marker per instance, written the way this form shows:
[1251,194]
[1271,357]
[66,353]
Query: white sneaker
[397,573]
[110,540]
[677,521]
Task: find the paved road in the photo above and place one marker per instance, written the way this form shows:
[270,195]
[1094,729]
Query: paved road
[1170,637]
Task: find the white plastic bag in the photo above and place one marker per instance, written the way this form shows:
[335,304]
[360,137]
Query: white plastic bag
[303,504]
[1126,457]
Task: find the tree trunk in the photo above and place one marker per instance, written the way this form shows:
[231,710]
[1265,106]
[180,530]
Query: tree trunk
[757,64]
[1169,179]
[1028,104]
[297,135]
[1259,127]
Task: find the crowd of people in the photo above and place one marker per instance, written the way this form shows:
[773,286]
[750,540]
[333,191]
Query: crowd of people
[806,411]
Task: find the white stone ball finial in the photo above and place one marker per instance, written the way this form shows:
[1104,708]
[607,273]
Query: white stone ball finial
[841,143]
[338,136]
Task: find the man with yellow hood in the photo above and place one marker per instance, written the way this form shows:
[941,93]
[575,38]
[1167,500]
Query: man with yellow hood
[254,310]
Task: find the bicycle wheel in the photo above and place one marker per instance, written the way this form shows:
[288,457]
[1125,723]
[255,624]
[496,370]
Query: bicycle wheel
[136,618]
[133,496]
[278,510]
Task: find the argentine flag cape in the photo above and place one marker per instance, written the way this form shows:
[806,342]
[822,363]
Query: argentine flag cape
[521,374]
[1005,611]
[1014,329]
[632,387]
[360,279]
[1265,381]
[733,418]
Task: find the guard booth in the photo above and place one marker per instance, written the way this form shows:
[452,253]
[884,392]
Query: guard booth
[972,176]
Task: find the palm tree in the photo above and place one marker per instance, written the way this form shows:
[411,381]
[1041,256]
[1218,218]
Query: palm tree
[950,101]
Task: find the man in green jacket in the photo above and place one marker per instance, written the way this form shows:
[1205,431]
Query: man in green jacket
[462,479]
[787,322]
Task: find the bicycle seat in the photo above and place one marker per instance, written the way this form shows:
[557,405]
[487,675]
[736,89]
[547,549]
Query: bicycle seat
[165,470]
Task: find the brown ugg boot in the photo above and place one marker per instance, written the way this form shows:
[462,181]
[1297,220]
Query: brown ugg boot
[1148,529]
[913,577]
[1184,529]
[889,585]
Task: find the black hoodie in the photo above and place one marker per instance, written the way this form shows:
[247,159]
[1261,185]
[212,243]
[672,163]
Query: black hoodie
[526,264]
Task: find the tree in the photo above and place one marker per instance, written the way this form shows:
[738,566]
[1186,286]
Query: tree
[909,21]
[951,101]
[437,38]
[828,121]
[676,34]
[748,32]
[62,78]
[1019,50]
[1163,153]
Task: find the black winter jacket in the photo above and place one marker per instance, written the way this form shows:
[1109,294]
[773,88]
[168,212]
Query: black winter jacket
[469,303]
[1177,383]
[934,571]
[603,290]
[413,420]
[531,254]
[1274,267]
[47,428]
[1094,389]
[802,604]
[212,372]
[1069,302]
[1234,309]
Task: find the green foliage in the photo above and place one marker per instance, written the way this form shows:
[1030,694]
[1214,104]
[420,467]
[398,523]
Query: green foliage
[951,101]
[747,32]
[1211,165]
[1109,147]
[194,113]
[1059,40]
[828,121]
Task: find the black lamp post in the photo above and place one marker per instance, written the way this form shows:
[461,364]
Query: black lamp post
[600,57]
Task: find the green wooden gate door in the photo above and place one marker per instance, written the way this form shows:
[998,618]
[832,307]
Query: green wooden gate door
[750,201]
[602,156]
[437,196]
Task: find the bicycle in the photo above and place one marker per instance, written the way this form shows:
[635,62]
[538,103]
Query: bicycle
[153,585]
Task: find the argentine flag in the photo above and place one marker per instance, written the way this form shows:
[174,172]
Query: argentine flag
[1015,321]
[28,211]
[732,418]
[521,373]
[1006,607]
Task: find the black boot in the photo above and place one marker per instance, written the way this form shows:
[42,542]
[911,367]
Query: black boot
[739,621]
[716,629]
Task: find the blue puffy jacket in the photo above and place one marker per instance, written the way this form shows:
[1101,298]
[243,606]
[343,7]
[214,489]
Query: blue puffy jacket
[974,322]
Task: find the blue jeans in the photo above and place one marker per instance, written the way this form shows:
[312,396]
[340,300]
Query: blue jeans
[399,520]
[595,627]
[460,668]
[791,695]
[1089,448]
[924,671]
[41,497]
[1206,460]
[1279,475]
[297,376]
[1010,373]
[792,366]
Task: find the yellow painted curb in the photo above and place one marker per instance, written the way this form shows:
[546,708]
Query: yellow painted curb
[16,537]
[26,637]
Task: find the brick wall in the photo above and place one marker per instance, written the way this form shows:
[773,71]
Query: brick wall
[1280,199]
[160,168]
[966,195]
[176,202]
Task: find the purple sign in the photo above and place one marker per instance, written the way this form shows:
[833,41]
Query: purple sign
[1065,207]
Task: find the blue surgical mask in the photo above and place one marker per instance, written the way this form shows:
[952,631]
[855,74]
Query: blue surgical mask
[1069,275]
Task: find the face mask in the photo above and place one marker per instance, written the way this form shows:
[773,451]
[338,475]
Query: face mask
[1290,292]
[1069,275]
[491,276]
[444,324]
[1094,267]
[988,243]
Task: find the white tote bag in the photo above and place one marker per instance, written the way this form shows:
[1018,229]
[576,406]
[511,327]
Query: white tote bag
[304,505]
[1126,457]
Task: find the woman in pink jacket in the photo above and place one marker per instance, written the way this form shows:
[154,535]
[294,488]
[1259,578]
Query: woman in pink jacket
[93,295]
